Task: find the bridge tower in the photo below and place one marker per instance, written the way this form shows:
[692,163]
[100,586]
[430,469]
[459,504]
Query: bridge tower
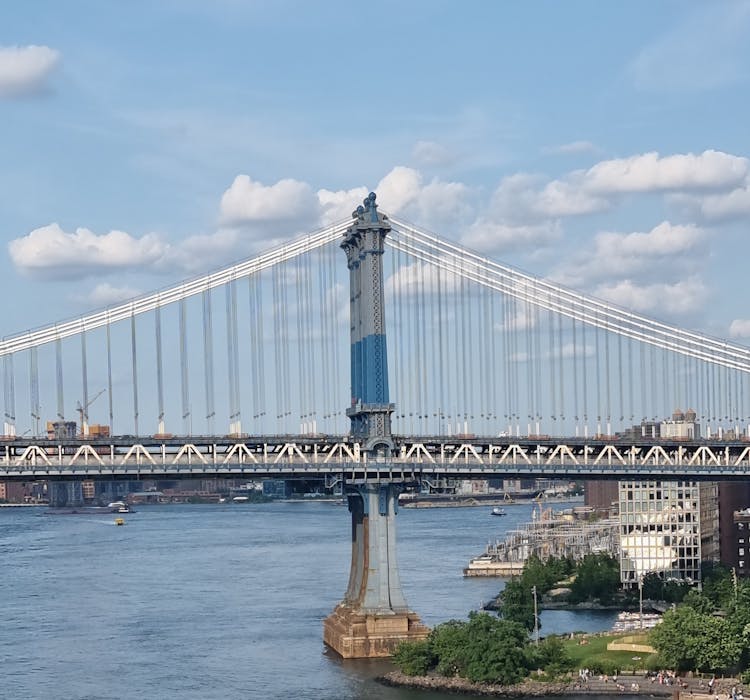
[373,617]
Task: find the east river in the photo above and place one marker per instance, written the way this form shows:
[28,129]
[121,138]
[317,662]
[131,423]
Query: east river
[219,601]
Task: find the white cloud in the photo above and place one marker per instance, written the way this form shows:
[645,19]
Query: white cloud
[523,198]
[650,172]
[718,207]
[53,252]
[247,201]
[683,297]
[105,294]
[398,189]
[620,255]
[739,328]
[23,69]
[494,238]
[339,204]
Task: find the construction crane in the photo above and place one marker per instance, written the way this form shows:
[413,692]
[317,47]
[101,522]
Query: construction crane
[83,412]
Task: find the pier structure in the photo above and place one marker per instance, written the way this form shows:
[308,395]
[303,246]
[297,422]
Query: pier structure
[373,618]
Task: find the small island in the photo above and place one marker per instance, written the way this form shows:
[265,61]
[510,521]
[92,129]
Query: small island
[700,647]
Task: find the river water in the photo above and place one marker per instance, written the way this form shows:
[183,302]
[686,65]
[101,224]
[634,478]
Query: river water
[219,601]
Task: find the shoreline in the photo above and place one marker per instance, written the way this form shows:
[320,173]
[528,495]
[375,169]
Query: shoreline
[564,689]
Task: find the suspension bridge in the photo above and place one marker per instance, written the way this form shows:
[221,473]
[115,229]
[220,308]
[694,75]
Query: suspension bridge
[497,373]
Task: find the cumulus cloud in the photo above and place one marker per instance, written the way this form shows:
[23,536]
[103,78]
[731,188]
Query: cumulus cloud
[24,69]
[725,206]
[683,297]
[494,238]
[524,198]
[248,201]
[650,172]
[337,205]
[53,252]
[638,253]
[739,328]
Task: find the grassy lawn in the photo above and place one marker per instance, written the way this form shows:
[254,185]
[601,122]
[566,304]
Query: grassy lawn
[596,650]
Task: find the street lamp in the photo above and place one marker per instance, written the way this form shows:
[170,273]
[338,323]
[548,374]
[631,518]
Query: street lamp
[536,618]
[640,599]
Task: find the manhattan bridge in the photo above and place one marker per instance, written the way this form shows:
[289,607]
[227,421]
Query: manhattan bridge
[250,371]
[245,373]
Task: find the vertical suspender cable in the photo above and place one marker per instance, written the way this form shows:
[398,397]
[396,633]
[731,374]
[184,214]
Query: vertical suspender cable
[530,365]
[134,357]
[441,370]
[619,374]
[261,375]
[85,385]
[159,370]
[34,390]
[561,359]
[10,396]
[59,373]
[493,363]
[323,311]
[301,363]
[585,376]
[551,356]
[277,340]
[576,415]
[208,359]
[310,344]
[184,375]
[426,398]
[399,299]
[109,381]
[607,378]
[598,382]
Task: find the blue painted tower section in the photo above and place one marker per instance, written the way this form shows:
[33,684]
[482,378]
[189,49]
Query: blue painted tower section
[370,410]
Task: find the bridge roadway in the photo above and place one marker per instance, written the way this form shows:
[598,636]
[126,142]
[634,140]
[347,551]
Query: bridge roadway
[335,457]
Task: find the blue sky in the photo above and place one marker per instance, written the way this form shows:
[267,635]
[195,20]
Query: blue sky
[602,144]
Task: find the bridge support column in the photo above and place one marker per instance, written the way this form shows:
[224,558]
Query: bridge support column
[373,618]
[64,494]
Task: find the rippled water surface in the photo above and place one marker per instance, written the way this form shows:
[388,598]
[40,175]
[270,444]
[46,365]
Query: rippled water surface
[227,601]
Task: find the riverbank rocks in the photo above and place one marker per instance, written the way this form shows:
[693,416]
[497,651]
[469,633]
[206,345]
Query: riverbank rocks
[527,688]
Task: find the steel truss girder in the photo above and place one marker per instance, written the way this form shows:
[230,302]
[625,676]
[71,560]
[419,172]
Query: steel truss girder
[414,458]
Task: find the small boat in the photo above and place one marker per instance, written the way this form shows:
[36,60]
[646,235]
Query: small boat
[119,521]
[498,511]
[119,507]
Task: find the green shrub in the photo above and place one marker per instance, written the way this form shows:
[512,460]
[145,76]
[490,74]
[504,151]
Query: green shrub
[414,658]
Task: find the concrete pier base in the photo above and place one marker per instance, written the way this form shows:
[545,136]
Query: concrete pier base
[373,618]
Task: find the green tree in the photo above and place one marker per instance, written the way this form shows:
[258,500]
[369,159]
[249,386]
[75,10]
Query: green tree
[495,652]
[517,604]
[690,640]
[414,658]
[597,577]
[549,655]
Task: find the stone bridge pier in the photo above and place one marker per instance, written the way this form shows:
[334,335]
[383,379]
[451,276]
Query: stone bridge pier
[373,618]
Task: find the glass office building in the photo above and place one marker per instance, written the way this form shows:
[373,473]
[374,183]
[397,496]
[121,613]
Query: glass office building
[660,530]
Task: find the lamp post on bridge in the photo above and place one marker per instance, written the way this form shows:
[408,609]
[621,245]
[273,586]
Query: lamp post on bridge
[373,618]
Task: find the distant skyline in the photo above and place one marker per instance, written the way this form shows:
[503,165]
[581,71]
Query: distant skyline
[604,146]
